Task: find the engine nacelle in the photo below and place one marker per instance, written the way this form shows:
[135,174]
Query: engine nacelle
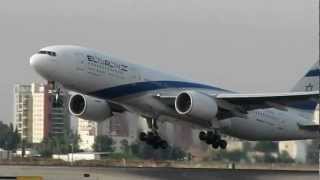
[89,108]
[196,105]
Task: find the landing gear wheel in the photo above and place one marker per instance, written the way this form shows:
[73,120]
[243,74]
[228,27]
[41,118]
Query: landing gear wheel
[164,144]
[153,139]
[202,136]
[213,139]
[143,136]
[223,144]
[215,145]
[150,138]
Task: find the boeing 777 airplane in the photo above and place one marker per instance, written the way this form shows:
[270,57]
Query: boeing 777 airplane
[105,85]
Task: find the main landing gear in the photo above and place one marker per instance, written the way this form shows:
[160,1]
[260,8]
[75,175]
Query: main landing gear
[152,137]
[213,139]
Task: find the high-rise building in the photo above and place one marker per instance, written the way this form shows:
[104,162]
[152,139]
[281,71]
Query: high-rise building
[31,111]
[87,131]
[317,115]
[120,127]
[23,111]
[40,109]
[183,130]
[297,150]
[36,115]
[59,120]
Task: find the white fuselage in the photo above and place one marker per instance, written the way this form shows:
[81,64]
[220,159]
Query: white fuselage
[102,76]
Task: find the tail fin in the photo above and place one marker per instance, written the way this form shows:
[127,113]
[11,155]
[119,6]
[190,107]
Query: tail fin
[310,82]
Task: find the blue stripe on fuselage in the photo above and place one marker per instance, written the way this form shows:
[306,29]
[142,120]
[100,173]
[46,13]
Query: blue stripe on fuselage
[312,73]
[139,87]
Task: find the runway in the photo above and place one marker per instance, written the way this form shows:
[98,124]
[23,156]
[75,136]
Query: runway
[79,173]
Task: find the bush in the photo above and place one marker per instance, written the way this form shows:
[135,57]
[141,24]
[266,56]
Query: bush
[285,157]
[232,156]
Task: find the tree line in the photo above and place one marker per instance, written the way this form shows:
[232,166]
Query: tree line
[9,137]
[137,150]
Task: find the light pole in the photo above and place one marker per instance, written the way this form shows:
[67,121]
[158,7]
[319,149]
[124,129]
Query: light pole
[319,78]
[72,154]
[72,141]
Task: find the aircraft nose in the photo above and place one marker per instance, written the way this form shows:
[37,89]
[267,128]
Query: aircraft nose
[33,61]
[42,64]
[37,62]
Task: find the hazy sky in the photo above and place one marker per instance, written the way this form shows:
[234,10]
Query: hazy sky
[243,45]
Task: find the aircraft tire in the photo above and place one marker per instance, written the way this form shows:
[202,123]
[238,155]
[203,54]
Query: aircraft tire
[202,136]
[143,136]
[223,144]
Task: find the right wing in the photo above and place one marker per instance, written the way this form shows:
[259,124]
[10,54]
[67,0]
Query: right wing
[311,127]
[246,102]
[238,105]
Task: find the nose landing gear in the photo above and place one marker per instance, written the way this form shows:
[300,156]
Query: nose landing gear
[213,139]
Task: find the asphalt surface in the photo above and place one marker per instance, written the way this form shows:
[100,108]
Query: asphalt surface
[79,173]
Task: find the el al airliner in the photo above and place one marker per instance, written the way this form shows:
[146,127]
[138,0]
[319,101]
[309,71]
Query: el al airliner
[104,85]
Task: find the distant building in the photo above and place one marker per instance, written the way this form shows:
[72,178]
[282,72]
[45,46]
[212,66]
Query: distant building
[317,115]
[5,154]
[35,113]
[103,128]
[28,152]
[31,111]
[297,150]
[39,112]
[80,156]
[235,144]
[87,131]
[120,127]
[59,119]
[23,111]
[183,135]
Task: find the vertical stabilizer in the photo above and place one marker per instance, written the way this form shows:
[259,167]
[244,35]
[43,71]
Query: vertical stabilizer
[309,82]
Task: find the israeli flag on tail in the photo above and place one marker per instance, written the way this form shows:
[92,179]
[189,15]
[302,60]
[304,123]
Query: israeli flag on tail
[310,82]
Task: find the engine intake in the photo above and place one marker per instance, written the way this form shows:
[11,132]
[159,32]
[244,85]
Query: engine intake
[89,108]
[196,105]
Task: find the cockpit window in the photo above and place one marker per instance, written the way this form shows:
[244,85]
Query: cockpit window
[50,53]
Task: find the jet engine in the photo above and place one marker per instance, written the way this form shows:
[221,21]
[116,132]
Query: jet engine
[196,105]
[89,108]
